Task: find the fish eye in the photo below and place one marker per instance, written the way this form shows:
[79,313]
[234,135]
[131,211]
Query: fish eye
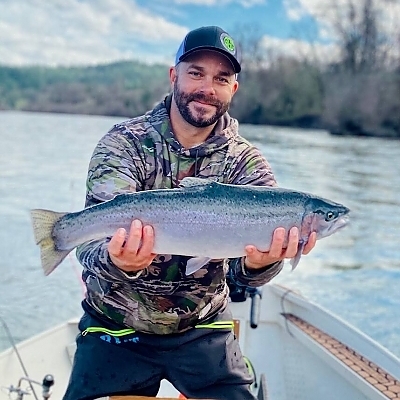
[330,215]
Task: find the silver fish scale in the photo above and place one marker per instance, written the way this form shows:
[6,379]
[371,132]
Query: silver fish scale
[213,220]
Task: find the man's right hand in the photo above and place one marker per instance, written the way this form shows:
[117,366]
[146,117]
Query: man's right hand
[132,252]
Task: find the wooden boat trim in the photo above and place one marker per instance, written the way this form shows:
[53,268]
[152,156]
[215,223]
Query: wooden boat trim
[369,371]
[145,398]
[140,398]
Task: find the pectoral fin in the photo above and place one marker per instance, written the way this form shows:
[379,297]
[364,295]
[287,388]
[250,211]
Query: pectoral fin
[294,261]
[195,263]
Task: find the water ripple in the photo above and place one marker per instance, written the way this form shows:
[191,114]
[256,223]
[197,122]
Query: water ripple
[355,273]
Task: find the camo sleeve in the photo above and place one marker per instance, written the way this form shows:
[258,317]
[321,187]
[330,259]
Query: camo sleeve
[94,257]
[115,167]
[244,277]
[251,168]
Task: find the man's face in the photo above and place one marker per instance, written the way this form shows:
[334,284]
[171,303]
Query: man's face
[203,87]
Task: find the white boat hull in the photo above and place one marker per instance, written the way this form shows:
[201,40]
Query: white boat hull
[303,351]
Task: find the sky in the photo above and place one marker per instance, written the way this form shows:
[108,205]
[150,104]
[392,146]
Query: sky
[89,32]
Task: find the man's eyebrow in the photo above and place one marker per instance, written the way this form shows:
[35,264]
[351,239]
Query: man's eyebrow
[195,66]
[221,72]
[225,73]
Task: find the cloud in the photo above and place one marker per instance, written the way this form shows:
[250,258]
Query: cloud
[73,32]
[327,12]
[244,3]
[86,32]
[299,49]
[294,9]
[332,19]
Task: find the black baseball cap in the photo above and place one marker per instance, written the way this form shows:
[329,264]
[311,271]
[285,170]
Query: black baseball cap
[210,38]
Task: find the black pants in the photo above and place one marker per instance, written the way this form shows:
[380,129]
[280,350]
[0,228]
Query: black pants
[200,363]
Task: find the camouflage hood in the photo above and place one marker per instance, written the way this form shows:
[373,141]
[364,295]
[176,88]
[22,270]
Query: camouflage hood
[225,131]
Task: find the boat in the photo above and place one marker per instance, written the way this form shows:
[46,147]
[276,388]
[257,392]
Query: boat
[295,349]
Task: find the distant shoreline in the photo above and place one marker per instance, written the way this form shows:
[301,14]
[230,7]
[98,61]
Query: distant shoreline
[290,94]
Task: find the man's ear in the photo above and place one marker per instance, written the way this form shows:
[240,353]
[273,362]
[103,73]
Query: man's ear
[172,75]
[235,87]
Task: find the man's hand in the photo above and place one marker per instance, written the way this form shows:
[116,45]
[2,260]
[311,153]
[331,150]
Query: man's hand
[256,259]
[133,252]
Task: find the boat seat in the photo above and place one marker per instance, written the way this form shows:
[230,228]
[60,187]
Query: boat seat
[262,390]
[71,348]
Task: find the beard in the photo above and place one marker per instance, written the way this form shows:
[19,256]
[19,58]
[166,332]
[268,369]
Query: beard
[199,120]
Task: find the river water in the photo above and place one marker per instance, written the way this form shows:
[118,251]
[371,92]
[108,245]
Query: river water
[354,273]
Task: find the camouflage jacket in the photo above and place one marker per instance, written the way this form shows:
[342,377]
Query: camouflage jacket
[142,154]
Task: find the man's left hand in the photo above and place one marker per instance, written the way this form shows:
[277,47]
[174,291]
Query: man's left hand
[256,259]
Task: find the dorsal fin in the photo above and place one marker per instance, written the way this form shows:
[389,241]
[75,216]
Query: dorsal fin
[191,181]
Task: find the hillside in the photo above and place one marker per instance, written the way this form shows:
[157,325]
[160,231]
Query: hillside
[286,93]
[124,88]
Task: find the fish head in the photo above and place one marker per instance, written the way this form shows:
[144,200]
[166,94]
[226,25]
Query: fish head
[324,217]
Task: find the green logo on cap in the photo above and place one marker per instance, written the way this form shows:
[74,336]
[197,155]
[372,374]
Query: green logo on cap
[228,43]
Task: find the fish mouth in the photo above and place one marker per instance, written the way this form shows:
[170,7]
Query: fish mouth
[340,223]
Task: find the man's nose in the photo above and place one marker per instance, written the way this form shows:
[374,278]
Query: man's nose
[207,86]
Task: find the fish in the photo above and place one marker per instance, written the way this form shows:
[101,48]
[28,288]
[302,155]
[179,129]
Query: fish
[202,219]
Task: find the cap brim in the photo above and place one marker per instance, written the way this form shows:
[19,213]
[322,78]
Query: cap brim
[235,64]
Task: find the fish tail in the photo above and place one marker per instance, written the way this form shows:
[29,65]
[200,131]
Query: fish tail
[43,222]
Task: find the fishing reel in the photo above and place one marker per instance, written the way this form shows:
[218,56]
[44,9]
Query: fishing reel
[46,384]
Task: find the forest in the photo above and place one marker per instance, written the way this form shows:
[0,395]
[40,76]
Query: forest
[356,93]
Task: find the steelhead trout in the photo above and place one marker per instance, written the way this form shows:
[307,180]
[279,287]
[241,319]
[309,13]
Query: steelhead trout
[203,219]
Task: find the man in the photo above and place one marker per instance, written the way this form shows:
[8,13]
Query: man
[144,319]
